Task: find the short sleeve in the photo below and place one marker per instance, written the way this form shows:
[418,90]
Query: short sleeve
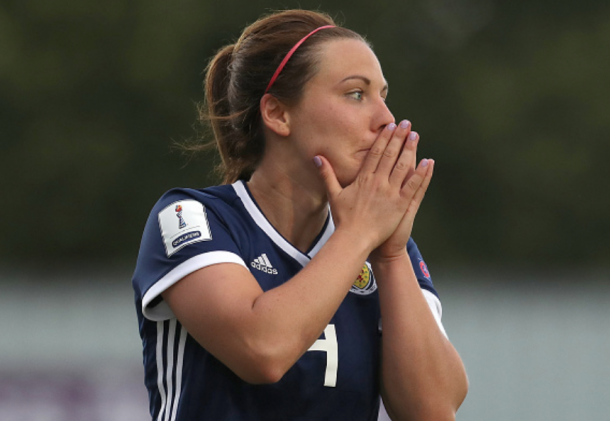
[419,267]
[425,282]
[184,233]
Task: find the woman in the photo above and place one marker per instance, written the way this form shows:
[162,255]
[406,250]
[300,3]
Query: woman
[255,303]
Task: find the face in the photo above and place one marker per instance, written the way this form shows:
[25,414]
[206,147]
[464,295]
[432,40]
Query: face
[343,108]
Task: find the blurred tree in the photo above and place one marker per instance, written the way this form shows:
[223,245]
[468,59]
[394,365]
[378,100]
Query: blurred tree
[510,99]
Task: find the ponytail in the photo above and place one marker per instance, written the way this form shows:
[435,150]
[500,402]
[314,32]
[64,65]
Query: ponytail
[216,88]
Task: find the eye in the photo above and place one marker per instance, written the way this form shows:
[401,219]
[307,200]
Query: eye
[357,95]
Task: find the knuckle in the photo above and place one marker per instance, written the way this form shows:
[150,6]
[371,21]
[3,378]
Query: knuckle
[364,178]
[412,184]
[401,166]
[376,151]
[390,153]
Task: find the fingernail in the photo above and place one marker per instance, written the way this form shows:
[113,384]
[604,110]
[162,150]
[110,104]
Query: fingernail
[412,136]
[405,124]
[424,163]
[317,161]
[391,127]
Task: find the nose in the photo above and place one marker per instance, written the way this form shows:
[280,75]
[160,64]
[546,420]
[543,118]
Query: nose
[383,115]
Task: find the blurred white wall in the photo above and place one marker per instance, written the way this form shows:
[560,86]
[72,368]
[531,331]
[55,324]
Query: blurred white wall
[70,351]
[535,349]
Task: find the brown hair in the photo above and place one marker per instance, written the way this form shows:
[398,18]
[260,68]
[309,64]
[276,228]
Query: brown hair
[236,79]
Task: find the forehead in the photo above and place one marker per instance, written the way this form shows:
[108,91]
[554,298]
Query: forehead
[342,58]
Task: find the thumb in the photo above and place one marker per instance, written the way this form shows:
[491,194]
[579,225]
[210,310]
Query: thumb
[328,175]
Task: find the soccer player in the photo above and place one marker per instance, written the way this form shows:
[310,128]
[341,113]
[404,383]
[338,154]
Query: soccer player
[294,291]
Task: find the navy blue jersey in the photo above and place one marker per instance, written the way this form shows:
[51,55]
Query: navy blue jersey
[337,379]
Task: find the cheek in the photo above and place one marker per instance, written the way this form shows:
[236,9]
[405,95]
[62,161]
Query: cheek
[330,131]
[330,117]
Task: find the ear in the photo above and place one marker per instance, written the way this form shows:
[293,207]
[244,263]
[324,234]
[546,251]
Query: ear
[275,115]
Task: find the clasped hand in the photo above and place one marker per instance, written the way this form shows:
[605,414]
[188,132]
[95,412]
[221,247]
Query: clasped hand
[381,203]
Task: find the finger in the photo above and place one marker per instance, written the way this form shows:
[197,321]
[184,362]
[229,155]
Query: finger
[414,162]
[328,175]
[394,148]
[412,183]
[376,152]
[418,197]
[405,165]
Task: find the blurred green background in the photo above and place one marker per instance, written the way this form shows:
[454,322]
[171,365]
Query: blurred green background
[510,98]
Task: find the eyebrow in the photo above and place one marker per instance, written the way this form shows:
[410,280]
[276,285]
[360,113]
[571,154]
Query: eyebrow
[365,80]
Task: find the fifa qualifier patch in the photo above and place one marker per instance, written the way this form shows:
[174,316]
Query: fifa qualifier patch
[182,223]
[365,282]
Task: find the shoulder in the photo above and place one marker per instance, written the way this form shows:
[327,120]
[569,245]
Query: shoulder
[211,197]
[186,215]
[221,201]
[187,229]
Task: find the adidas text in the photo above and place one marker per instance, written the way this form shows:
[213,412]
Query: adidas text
[271,271]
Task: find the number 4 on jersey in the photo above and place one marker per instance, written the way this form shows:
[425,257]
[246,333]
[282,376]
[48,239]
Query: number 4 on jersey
[331,347]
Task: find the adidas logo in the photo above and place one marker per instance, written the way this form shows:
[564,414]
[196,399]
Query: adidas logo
[263,264]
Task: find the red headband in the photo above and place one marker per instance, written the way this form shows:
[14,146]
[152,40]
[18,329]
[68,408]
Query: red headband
[290,53]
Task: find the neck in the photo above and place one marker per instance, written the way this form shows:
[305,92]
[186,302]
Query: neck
[296,209]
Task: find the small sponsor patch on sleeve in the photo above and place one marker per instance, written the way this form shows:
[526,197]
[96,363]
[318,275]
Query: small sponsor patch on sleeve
[424,269]
[183,223]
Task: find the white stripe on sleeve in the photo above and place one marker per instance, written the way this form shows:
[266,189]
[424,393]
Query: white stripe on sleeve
[170,363]
[162,311]
[179,364]
[437,309]
[160,367]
